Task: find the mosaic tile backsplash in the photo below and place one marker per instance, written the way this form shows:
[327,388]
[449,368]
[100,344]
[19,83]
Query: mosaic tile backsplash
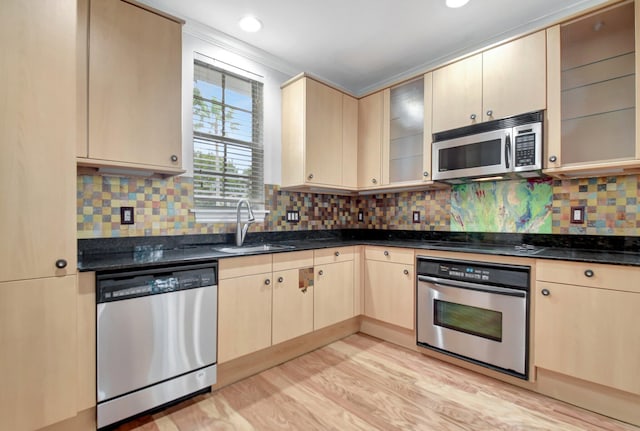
[163,207]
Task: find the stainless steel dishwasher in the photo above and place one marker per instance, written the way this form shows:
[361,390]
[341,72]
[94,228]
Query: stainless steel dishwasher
[156,337]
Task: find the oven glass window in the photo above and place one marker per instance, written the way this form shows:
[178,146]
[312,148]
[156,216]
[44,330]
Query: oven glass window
[471,320]
[485,153]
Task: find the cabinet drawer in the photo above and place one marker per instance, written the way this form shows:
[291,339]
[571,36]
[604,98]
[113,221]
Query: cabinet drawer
[246,265]
[292,260]
[390,254]
[614,277]
[332,255]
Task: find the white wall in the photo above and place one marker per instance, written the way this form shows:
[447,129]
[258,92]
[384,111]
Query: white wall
[193,41]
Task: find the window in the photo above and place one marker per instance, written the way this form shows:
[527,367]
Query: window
[228,156]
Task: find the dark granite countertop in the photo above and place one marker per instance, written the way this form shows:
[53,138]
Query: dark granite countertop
[125,253]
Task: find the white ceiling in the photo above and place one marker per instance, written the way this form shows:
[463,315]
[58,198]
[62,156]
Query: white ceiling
[364,45]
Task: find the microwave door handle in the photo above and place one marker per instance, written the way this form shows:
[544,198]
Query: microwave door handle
[507,151]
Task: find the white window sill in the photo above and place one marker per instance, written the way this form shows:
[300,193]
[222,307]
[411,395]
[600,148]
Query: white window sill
[227,216]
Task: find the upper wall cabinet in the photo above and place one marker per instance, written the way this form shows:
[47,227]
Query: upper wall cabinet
[507,80]
[394,136]
[319,136]
[134,88]
[592,115]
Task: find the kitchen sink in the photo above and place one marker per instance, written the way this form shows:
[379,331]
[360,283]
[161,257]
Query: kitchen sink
[255,248]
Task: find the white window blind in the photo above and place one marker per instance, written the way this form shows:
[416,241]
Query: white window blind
[228,155]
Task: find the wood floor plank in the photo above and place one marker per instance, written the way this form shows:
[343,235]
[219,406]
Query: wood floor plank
[361,383]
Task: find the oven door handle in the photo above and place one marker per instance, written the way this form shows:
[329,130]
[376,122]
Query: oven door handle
[473,286]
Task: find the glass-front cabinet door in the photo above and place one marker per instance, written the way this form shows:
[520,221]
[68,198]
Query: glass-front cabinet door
[410,131]
[592,116]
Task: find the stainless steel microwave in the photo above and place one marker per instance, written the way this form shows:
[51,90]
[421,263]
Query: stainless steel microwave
[505,148]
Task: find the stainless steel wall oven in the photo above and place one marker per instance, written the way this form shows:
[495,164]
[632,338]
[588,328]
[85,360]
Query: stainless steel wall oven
[156,337]
[475,311]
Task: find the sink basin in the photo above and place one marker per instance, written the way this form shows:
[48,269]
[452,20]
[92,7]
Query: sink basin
[255,248]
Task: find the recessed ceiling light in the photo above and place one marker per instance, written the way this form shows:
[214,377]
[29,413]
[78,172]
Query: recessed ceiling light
[456,3]
[250,24]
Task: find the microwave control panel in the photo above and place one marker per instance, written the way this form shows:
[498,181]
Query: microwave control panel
[525,150]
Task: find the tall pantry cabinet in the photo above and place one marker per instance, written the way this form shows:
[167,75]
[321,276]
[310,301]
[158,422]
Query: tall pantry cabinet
[37,221]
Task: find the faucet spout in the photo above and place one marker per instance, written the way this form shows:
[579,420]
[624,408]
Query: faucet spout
[241,232]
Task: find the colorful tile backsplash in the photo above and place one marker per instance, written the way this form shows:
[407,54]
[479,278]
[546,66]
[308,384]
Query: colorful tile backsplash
[163,207]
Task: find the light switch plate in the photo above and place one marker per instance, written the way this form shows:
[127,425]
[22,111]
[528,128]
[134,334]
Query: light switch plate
[360,215]
[416,216]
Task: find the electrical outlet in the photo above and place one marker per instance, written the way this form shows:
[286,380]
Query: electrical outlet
[293,216]
[577,215]
[360,215]
[416,216]
[126,215]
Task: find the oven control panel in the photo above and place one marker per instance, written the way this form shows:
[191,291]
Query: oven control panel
[513,276]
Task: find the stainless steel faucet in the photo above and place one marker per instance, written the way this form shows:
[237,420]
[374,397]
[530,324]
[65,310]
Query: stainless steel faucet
[241,233]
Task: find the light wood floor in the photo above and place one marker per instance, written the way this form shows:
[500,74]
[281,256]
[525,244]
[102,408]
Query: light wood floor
[361,383]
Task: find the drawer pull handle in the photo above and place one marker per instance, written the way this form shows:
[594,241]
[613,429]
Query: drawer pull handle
[280,279]
[337,253]
[406,272]
[321,272]
[545,292]
[386,253]
[267,282]
[61,263]
[588,273]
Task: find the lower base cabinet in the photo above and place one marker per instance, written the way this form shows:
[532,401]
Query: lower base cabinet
[585,325]
[389,282]
[334,288]
[38,352]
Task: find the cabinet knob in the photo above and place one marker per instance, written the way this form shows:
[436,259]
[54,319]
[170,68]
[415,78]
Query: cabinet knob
[267,282]
[425,174]
[61,263]
[386,253]
[545,292]
[321,272]
[337,253]
[280,279]
[489,113]
[553,159]
[588,273]
[374,181]
[472,116]
[310,176]
[174,158]
[406,272]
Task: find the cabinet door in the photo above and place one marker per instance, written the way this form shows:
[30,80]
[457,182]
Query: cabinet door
[323,134]
[38,356]
[589,333]
[244,315]
[135,65]
[372,118]
[292,304]
[389,293]
[457,94]
[333,294]
[349,141]
[514,77]
[37,131]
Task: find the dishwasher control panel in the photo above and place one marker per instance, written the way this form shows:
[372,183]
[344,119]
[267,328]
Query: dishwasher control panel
[116,286]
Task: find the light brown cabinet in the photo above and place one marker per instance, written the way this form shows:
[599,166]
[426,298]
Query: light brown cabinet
[373,135]
[592,94]
[37,221]
[319,136]
[39,345]
[334,286]
[583,329]
[133,88]
[244,306]
[500,82]
[389,285]
[292,295]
